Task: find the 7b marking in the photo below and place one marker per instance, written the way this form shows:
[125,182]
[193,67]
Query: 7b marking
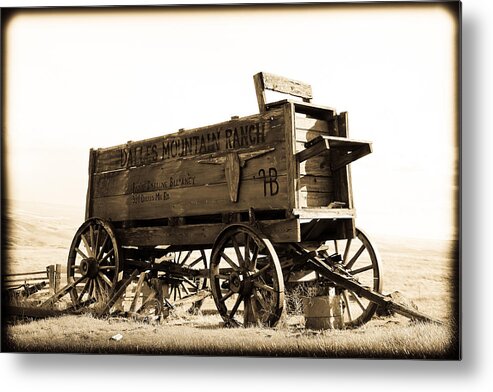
[270,180]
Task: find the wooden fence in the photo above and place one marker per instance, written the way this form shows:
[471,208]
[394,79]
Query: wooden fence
[51,277]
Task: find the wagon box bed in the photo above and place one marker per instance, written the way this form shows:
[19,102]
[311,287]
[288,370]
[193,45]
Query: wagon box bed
[287,163]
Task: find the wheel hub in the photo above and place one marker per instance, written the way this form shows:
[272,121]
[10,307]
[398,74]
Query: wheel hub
[240,282]
[236,282]
[89,267]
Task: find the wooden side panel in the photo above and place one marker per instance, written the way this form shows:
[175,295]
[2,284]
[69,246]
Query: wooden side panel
[190,201]
[227,167]
[316,186]
[277,230]
[250,132]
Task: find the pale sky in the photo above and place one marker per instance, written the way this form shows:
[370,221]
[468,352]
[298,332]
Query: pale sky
[96,79]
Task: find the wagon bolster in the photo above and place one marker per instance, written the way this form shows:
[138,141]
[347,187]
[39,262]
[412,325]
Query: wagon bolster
[344,151]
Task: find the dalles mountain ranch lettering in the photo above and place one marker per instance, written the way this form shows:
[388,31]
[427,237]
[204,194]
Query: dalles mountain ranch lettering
[180,147]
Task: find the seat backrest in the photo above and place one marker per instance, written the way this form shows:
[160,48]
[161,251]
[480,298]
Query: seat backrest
[266,81]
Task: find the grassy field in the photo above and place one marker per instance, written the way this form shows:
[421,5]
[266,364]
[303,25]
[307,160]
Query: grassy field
[421,270]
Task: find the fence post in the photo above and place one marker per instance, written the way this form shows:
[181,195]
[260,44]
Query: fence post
[58,273]
[50,270]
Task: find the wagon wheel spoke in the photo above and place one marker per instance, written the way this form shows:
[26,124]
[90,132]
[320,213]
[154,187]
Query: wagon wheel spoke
[236,306]
[357,300]
[362,269]
[346,250]
[260,271]
[348,308]
[195,262]
[226,296]
[238,251]
[105,279]
[353,260]
[185,258]
[82,254]
[184,284]
[110,253]
[87,246]
[84,290]
[101,250]
[230,262]
[263,286]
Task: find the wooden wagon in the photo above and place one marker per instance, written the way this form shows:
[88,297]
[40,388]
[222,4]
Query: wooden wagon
[251,208]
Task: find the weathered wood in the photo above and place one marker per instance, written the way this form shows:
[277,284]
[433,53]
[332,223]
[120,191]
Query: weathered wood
[69,287]
[25,274]
[89,196]
[187,173]
[123,286]
[292,165]
[259,91]
[324,213]
[268,191]
[320,147]
[344,157]
[342,181]
[309,109]
[285,85]
[311,124]
[316,184]
[204,234]
[256,131]
[133,305]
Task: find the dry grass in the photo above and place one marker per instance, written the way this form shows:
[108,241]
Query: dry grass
[203,335]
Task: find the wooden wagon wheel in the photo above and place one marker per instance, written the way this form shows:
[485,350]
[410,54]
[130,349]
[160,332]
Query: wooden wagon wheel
[245,273]
[361,260]
[181,287]
[94,262]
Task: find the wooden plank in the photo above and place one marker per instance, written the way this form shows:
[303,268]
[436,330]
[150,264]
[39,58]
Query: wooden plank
[122,288]
[342,182]
[256,131]
[140,282]
[316,166]
[280,231]
[315,199]
[286,86]
[89,195]
[265,192]
[25,274]
[293,166]
[185,173]
[319,148]
[310,183]
[324,213]
[259,91]
[311,124]
[342,159]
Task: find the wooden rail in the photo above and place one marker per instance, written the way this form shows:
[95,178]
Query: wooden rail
[52,275]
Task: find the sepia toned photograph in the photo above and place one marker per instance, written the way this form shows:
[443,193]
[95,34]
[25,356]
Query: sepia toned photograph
[232,180]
